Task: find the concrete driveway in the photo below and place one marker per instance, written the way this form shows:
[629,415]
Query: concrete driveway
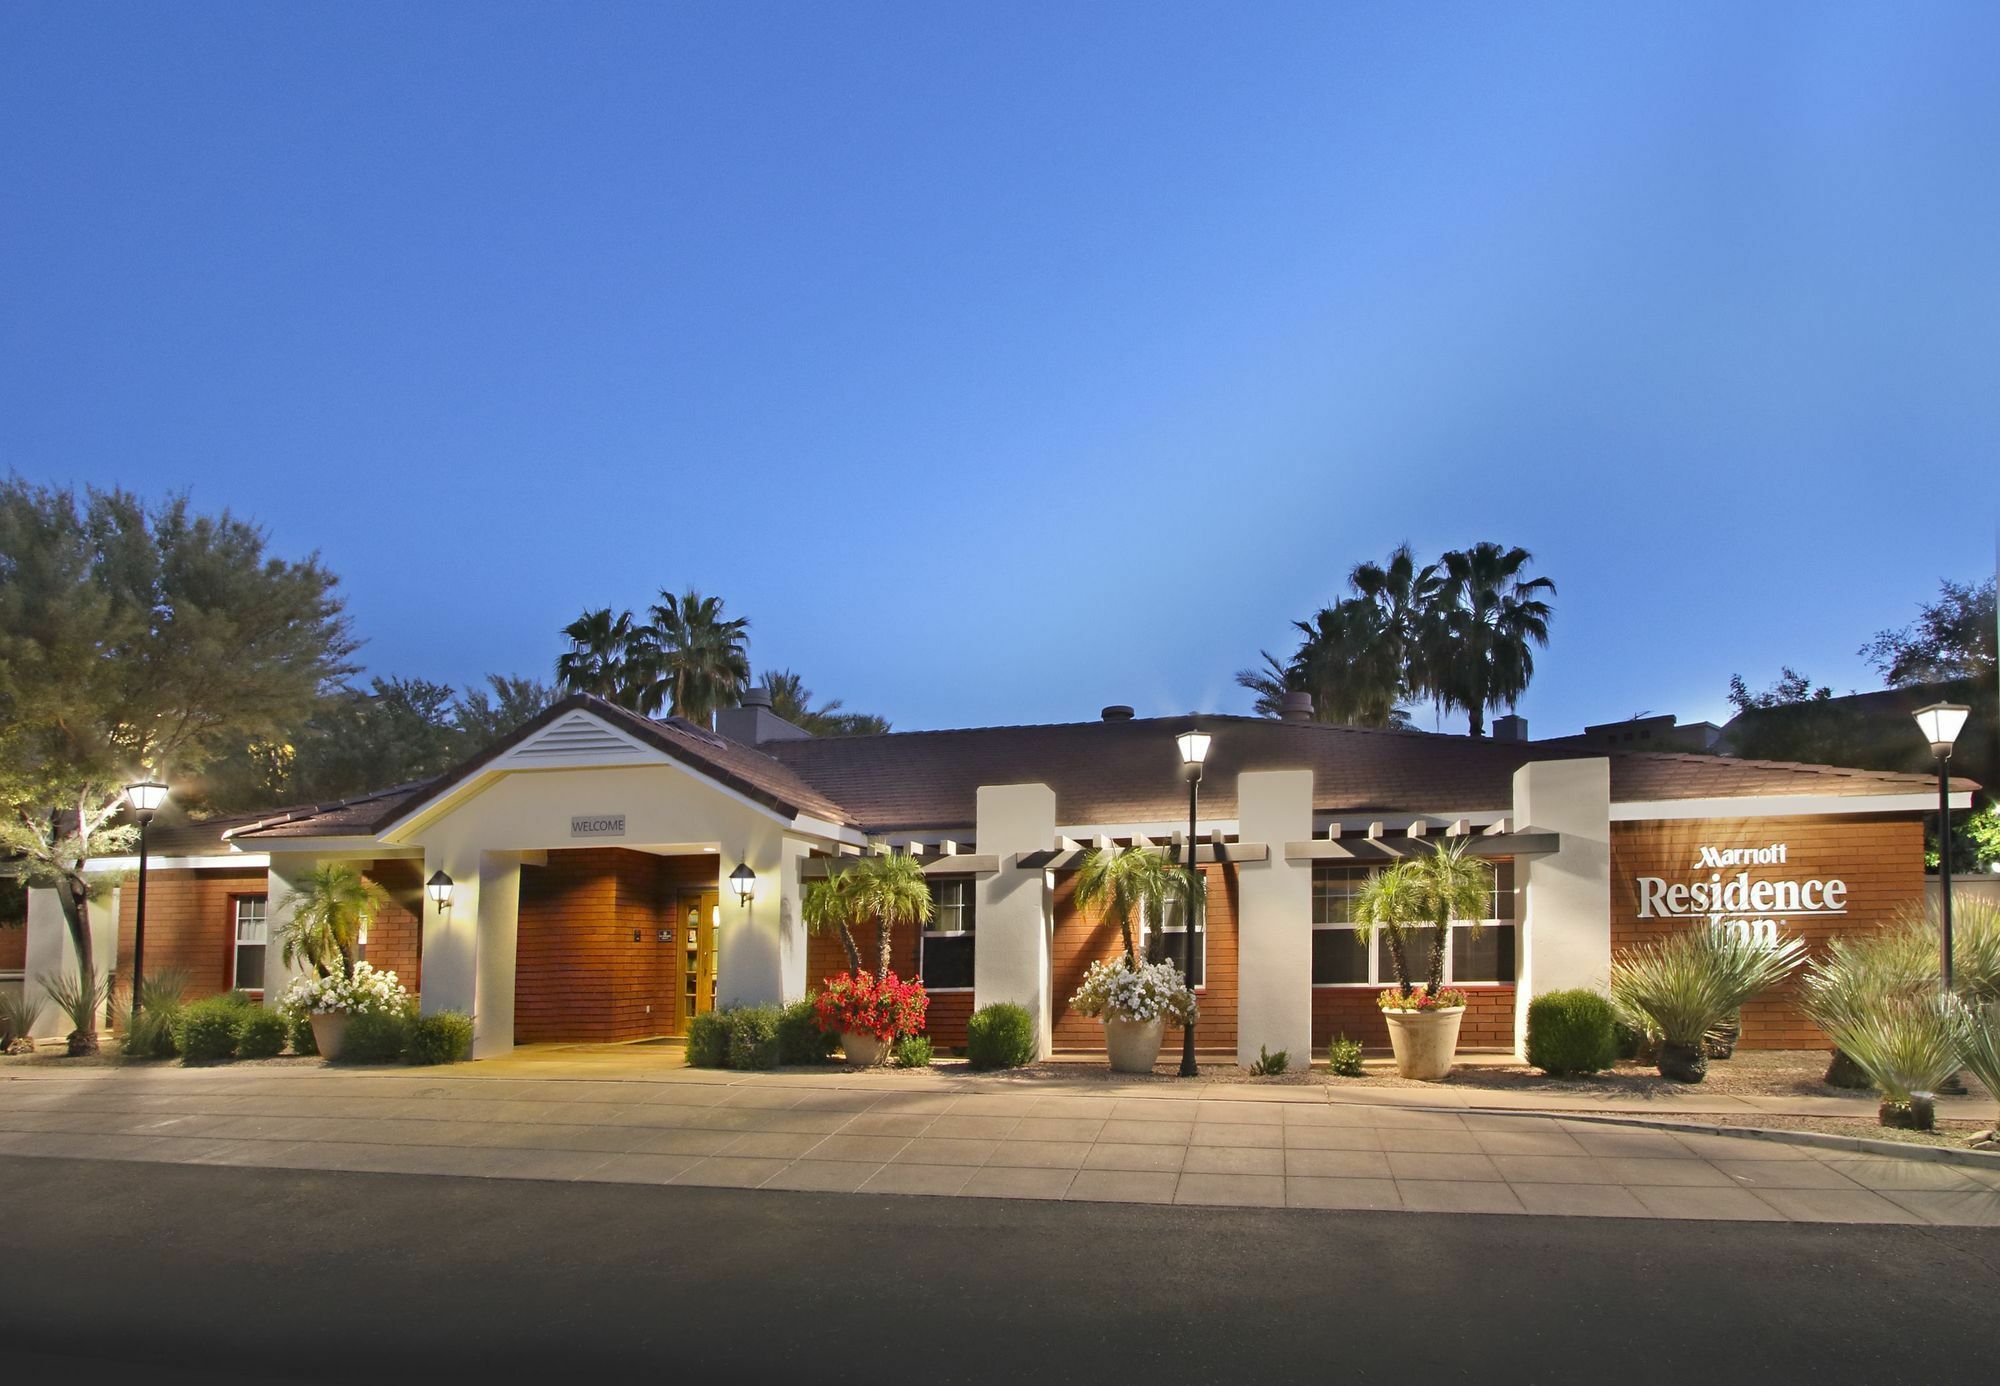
[885,1132]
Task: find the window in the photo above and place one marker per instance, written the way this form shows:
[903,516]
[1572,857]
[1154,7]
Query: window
[251,935]
[948,939]
[1164,943]
[1339,958]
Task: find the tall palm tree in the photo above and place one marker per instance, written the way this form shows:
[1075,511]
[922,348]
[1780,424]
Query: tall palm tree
[599,659]
[1405,595]
[1487,619]
[891,890]
[792,700]
[1271,683]
[699,661]
[1131,880]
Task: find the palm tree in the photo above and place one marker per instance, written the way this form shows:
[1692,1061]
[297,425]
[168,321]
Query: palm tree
[890,889]
[1448,886]
[1351,662]
[1270,683]
[1487,618]
[830,908]
[600,658]
[699,662]
[792,700]
[1405,595]
[1132,880]
[322,922]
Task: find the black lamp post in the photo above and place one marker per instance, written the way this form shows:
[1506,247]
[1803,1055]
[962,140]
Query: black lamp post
[1194,750]
[1941,723]
[145,797]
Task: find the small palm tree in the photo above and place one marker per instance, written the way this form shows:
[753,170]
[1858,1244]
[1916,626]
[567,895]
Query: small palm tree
[1133,880]
[891,890]
[321,924]
[830,908]
[699,661]
[1448,886]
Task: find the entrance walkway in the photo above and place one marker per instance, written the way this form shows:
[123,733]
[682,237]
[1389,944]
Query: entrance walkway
[928,1133]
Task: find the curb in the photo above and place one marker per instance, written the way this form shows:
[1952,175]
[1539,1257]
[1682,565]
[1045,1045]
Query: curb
[1823,1140]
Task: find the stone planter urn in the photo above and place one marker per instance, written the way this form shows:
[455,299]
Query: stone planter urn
[329,1033]
[863,1051]
[1132,1045]
[1424,1041]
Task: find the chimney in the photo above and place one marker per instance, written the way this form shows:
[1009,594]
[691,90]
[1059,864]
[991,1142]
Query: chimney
[760,696]
[753,723]
[1296,707]
[1512,727]
[1117,712]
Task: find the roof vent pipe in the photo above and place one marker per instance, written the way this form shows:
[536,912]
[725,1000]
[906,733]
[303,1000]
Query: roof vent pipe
[1296,707]
[760,696]
[1117,712]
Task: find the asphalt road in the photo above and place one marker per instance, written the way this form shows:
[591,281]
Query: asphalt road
[200,1273]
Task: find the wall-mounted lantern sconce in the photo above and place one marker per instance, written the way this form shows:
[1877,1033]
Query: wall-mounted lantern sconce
[744,882]
[438,887]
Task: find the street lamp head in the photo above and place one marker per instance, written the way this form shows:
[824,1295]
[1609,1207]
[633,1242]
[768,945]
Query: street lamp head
[1194,750]
[145,797]
[1941,724]
[744,882]
[438,887]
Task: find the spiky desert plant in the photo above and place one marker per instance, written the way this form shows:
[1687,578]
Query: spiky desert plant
[1915,932]
[161,997]
[1854,976]
[1979,1046]
[18,1014]
[79,998]
[1909,1044]
[1689,984]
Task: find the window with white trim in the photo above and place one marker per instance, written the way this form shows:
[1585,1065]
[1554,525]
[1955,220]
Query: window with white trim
[1340,958]
[252,937]
[947,944]
[1164,943]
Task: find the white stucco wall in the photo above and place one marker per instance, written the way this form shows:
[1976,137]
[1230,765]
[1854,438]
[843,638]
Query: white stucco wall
[1566,896]
[1274,918]
[51,952]
[1015,909]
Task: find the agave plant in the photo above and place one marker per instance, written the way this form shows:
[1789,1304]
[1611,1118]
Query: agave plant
[18,1015]
[1688,985]
[1908,1043]
[79,998]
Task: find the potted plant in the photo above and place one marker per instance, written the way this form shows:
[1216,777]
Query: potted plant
[870,1011]
[1448,886]
[1135,999]
[870,1016]
[320,928]
[330,1002]
[1690,983]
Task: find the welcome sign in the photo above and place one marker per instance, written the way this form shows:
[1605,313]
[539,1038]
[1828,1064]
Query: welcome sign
[597,825]
[1735,893]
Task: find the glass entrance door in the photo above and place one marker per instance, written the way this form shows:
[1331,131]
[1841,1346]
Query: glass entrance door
[697,917]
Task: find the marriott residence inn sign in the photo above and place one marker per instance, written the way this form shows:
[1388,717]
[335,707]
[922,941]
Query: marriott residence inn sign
[1751,890]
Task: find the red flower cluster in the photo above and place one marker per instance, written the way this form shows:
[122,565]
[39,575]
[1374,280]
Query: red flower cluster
[1420,999]
[854,1003]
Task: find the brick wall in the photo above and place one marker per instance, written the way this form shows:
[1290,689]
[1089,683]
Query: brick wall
[13,947]
[1083,937]
[1881,860]
[1352,1011]
[190,923]
[579,975]
[944,1019]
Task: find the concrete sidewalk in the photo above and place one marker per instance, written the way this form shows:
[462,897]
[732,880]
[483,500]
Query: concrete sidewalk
[835,1130]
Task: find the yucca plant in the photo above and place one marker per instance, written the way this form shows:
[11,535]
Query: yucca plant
[1908,1043]
[18,1015]
[1856,975]
[1979,1046]
[1686,986]
[161,998]
[79,998]
[1915,933]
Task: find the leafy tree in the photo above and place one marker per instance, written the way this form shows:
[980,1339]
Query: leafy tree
[1953,637]
[1351,661]
[792,700]
[606,658]
[1791,688]
[695,661]
[1481,630]
[484,715]
[137,639]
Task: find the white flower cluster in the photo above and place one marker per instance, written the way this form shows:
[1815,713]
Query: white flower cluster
[1117,990]
[366,990]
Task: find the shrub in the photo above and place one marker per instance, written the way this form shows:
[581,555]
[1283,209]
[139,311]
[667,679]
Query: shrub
[708,1040]
[1688,984]
[151,1034]
[376,1036]
[1572,1032]
[913,1051]
[303,1041]
[1269,1065]
[1343,1057]
[205,1030]
[753,1036]
[854,1003]
[1001,1035]
[260,1034]
[800,1040]
[1909,1044]
[444,1038]
[1979,1046]
[17,1017]
[77,998]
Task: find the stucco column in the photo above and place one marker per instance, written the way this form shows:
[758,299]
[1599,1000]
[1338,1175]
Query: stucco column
[469,948]
[1014,909]
[1565,897]
[1274,918]
[753,942]
[281,886]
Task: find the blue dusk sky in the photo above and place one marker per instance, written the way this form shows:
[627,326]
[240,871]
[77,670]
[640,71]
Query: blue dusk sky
[1002,361]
